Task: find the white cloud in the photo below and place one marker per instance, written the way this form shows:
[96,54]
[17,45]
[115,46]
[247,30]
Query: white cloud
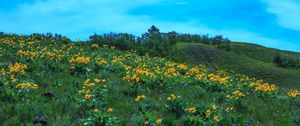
[287,11]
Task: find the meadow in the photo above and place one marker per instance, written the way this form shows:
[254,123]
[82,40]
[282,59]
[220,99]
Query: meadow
[48,82]
[243,58]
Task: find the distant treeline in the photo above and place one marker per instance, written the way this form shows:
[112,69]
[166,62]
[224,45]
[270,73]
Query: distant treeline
[286,61]
[47,37]
[155,42]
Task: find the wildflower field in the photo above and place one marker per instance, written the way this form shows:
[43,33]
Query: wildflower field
[48,82]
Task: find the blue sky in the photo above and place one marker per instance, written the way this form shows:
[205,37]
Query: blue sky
[272,23]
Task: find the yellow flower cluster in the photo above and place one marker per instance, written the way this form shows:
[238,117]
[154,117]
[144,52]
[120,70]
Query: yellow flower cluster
[294,93]
[3,72]
[96,110]
[26,86]
[17,67]
[13,79]
[27,53]
[84,60]
[143,72]
[94,45]
[171,72]
[236,94]
[109,110]
[266,87]
[134,78]
[191,110]
[182,66]
[194,70]
[30,43]
[139,98]
[158,121]
[229,108]
[102,61]
[172,97]
[88,87]
[216,118]
[217,78]
[87,83]
[209,112]
[127,67]
[252,84]
[146,122]
[214,107]
[88,96]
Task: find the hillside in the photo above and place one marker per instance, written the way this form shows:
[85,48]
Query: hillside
[258,52]
[248,59]
[47,81]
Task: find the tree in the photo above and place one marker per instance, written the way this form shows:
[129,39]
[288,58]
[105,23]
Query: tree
[153,29]
[278,60]
[172,37]
[153,40]
[1,34]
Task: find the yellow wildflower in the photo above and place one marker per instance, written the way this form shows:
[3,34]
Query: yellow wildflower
[207,112]
[139,98]
[88,96]
[191,110]
[87,81]
[169,98]
[293,93]
[229,108]
[266,87]
[158,121]
[17,67]
[102,62]
[94,45]
[96,110]
[81,91]
[214,107]
[97,80]
[91,84]
[237,93]
[26,86]
[84,60]
[216,118]
[109,110]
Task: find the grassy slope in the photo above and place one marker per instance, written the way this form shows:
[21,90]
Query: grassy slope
[248,59]
[258,52]
[64,108]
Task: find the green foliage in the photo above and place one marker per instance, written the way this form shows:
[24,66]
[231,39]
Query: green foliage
[176,104]
[84,84]
[122,41]
[287,62]
[192,120]
[99,119]
[155,42]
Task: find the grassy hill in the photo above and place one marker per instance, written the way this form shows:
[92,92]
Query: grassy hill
[249,59]
[48,82]
[259,52]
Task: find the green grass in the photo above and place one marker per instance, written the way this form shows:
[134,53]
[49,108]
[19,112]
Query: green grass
[65,79]
[248,59]
[258,52]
